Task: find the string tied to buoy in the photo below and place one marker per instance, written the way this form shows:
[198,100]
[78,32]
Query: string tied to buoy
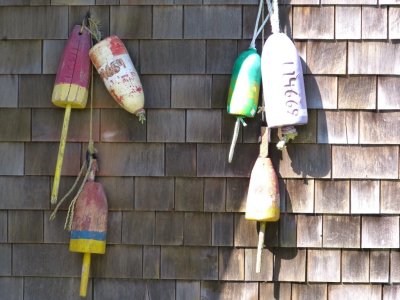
[245,82]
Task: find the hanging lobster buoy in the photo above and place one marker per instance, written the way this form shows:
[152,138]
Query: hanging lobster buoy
[283,83]
[89,225]
[71,88]
[244,90]
[263,194]
[112,62]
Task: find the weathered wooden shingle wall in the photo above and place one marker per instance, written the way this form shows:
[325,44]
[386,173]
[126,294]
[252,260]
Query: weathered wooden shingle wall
[176,223]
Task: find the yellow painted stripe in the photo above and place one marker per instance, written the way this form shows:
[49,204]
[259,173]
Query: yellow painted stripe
[87,246]
[72,94]
[269,215]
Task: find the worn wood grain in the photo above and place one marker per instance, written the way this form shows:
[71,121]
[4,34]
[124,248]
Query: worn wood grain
[149,198]
[287,230]
[341,232]
[187,290]
[357,92]
[379,266]
[309,292]
[309,231]
[275,291]
[394,22]
[214,194]
[191,91]
[138,228]
[394,266]
[231,264]
[213,290]
[313,22]
[390,203]
[380,232]
[349,162]
[391,292]
[338,127]
[374,22]
[354,291]
[388,92]
[355,266]
[245,234]
[348,22]
[189,194]
[323,265]
[370,58]
[332,196]
[222,229]
[290,265]
[151,262]
[175,262]
[250,265]
[379,128]
[321,91]
[169,228]
[197,229]
[300,196]
[364,197]
[326,57]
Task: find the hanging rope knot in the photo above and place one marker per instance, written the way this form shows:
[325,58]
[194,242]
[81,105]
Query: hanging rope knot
[288,133]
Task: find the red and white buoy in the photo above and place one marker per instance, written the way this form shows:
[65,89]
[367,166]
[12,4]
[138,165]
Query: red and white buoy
[112,62]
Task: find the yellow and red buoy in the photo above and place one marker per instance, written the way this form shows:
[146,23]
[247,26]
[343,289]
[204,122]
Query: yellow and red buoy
[112,62]
[71,88]
[89,225]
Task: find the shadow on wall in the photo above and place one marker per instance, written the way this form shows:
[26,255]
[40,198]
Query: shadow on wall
[302,159]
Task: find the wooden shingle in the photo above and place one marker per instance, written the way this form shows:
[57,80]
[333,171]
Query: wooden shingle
[354,291]
[275,291]
[323,265]
[287,230]
[165,125]
[379,266]
[321,91]
[131,22]
[187,290]
[349,162]
[388,92]
[319,53]
[380,232]
[355,266]
[8,91]
[167,22]
[357,92]
[394,22]
[229,290]
[189,194]
[222,229]
[203,126]
[231,264]
[197,229]
[25,226]
[309,291]
[138,228]
[290,265]
[379,128]
[20,57]
[309,231]
[250,265]
[151,262]
[236,194]
[337,127]
[149,198]
[313,22]
[190,91]
[332,196]
[364,197]
[214,194]
[299,196]
[374,22]
[348,22]
[389,197]
[175,262]
[169,228]
[371,58]
[180,159]
[341,231]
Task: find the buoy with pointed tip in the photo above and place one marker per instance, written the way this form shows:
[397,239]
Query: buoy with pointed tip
[113,63]
[71,88]
[263,194]
[244,90]
[89,225]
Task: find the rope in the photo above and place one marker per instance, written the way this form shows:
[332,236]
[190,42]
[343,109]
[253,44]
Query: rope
[258,31]
[273,10]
